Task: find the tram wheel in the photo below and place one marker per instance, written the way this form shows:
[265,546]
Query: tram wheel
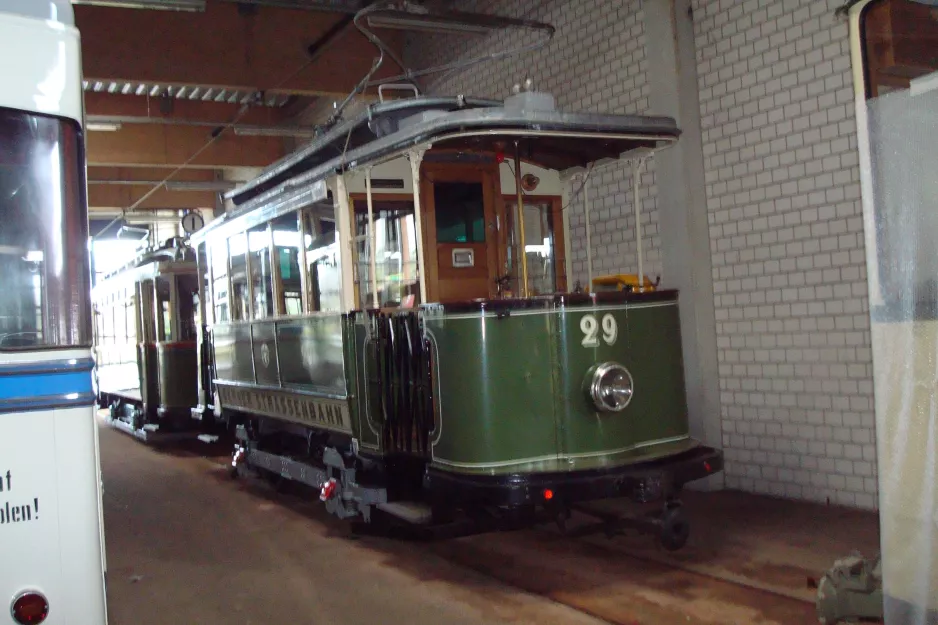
[675,526]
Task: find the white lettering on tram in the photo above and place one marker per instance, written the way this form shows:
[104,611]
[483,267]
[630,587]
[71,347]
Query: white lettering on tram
[17,512]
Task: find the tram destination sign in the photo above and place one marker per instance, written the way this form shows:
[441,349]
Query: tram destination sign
[312,411]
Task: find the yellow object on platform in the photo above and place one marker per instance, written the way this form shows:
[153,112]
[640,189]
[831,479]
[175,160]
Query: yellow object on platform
[623,282]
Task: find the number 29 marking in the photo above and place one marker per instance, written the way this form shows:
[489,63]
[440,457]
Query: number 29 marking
[590,328]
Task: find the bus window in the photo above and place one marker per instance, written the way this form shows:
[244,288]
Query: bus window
[43,241]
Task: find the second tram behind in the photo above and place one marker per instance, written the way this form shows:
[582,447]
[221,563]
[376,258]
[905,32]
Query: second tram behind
[145,342]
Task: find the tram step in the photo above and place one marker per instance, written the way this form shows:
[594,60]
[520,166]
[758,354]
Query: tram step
[410,511]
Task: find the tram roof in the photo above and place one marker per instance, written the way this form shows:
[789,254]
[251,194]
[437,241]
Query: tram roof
[551,138]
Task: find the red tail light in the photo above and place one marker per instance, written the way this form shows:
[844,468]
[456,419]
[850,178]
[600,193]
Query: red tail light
[328,489]
[30,608]
[548,494]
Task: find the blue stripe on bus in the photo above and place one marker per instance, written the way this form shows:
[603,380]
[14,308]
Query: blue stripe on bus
[48,366]
[43,385]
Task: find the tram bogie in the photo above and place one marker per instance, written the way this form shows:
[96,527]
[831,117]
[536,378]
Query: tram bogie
[382,330]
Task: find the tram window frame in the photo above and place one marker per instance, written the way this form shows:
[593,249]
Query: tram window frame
[219,263]
[206,296]
[239,294]
[187,289]
[403,205]
[316,239]
[293,263]
[165,303]
[260,270]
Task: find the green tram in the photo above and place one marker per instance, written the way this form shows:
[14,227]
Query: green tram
[145,342]
[390,321]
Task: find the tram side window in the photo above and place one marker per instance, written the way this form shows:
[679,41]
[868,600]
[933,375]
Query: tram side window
[396,269]
[539,247]
[323,264]
[164,307]
[219,259]
[261,276]
[240,289]
[187,292]
[206,281]
[286,234]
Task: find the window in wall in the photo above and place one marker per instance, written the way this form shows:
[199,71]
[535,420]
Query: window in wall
[261,275]
[460,212]
[164,309]
[286,234]
[218,256]
[396,268]
[240,289]
[324,270]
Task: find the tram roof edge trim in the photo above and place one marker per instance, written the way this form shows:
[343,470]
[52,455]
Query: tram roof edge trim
[420,120]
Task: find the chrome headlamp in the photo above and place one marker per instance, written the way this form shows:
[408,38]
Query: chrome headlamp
[611,387]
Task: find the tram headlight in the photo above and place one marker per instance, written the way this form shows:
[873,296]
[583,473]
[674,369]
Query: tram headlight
[611,387]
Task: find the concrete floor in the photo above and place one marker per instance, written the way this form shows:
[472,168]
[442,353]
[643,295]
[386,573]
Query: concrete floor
[188,545]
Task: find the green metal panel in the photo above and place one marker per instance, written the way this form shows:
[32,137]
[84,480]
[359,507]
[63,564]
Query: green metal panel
[234,358]
[645,338]
[311,353]
[494,392]
[177,366]
[511,389]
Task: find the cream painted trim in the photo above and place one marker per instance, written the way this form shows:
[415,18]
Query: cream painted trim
[592,454]
[547,311]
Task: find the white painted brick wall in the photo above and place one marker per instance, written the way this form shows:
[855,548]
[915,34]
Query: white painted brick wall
[595,62]
[786,235]
[782,185]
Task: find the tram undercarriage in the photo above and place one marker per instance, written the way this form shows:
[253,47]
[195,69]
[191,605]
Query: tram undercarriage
[413,500]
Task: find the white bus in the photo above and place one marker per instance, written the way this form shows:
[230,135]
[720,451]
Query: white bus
[52,563]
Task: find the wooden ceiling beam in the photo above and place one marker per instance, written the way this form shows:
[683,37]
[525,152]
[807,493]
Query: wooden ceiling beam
[152,145]
[264,48]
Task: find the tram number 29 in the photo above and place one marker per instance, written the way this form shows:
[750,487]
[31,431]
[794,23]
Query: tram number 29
[591,327]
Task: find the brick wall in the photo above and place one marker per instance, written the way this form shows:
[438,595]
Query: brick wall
[595,62]
[786,236]
[782,188]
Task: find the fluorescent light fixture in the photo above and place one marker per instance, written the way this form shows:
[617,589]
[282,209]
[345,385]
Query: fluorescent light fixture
[454,24]
[273,131]
[102,127]
[165,5]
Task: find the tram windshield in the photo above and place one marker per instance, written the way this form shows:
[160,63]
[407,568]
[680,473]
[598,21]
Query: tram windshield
[44,281]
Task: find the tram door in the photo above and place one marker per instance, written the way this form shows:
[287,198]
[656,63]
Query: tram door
[461,232]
